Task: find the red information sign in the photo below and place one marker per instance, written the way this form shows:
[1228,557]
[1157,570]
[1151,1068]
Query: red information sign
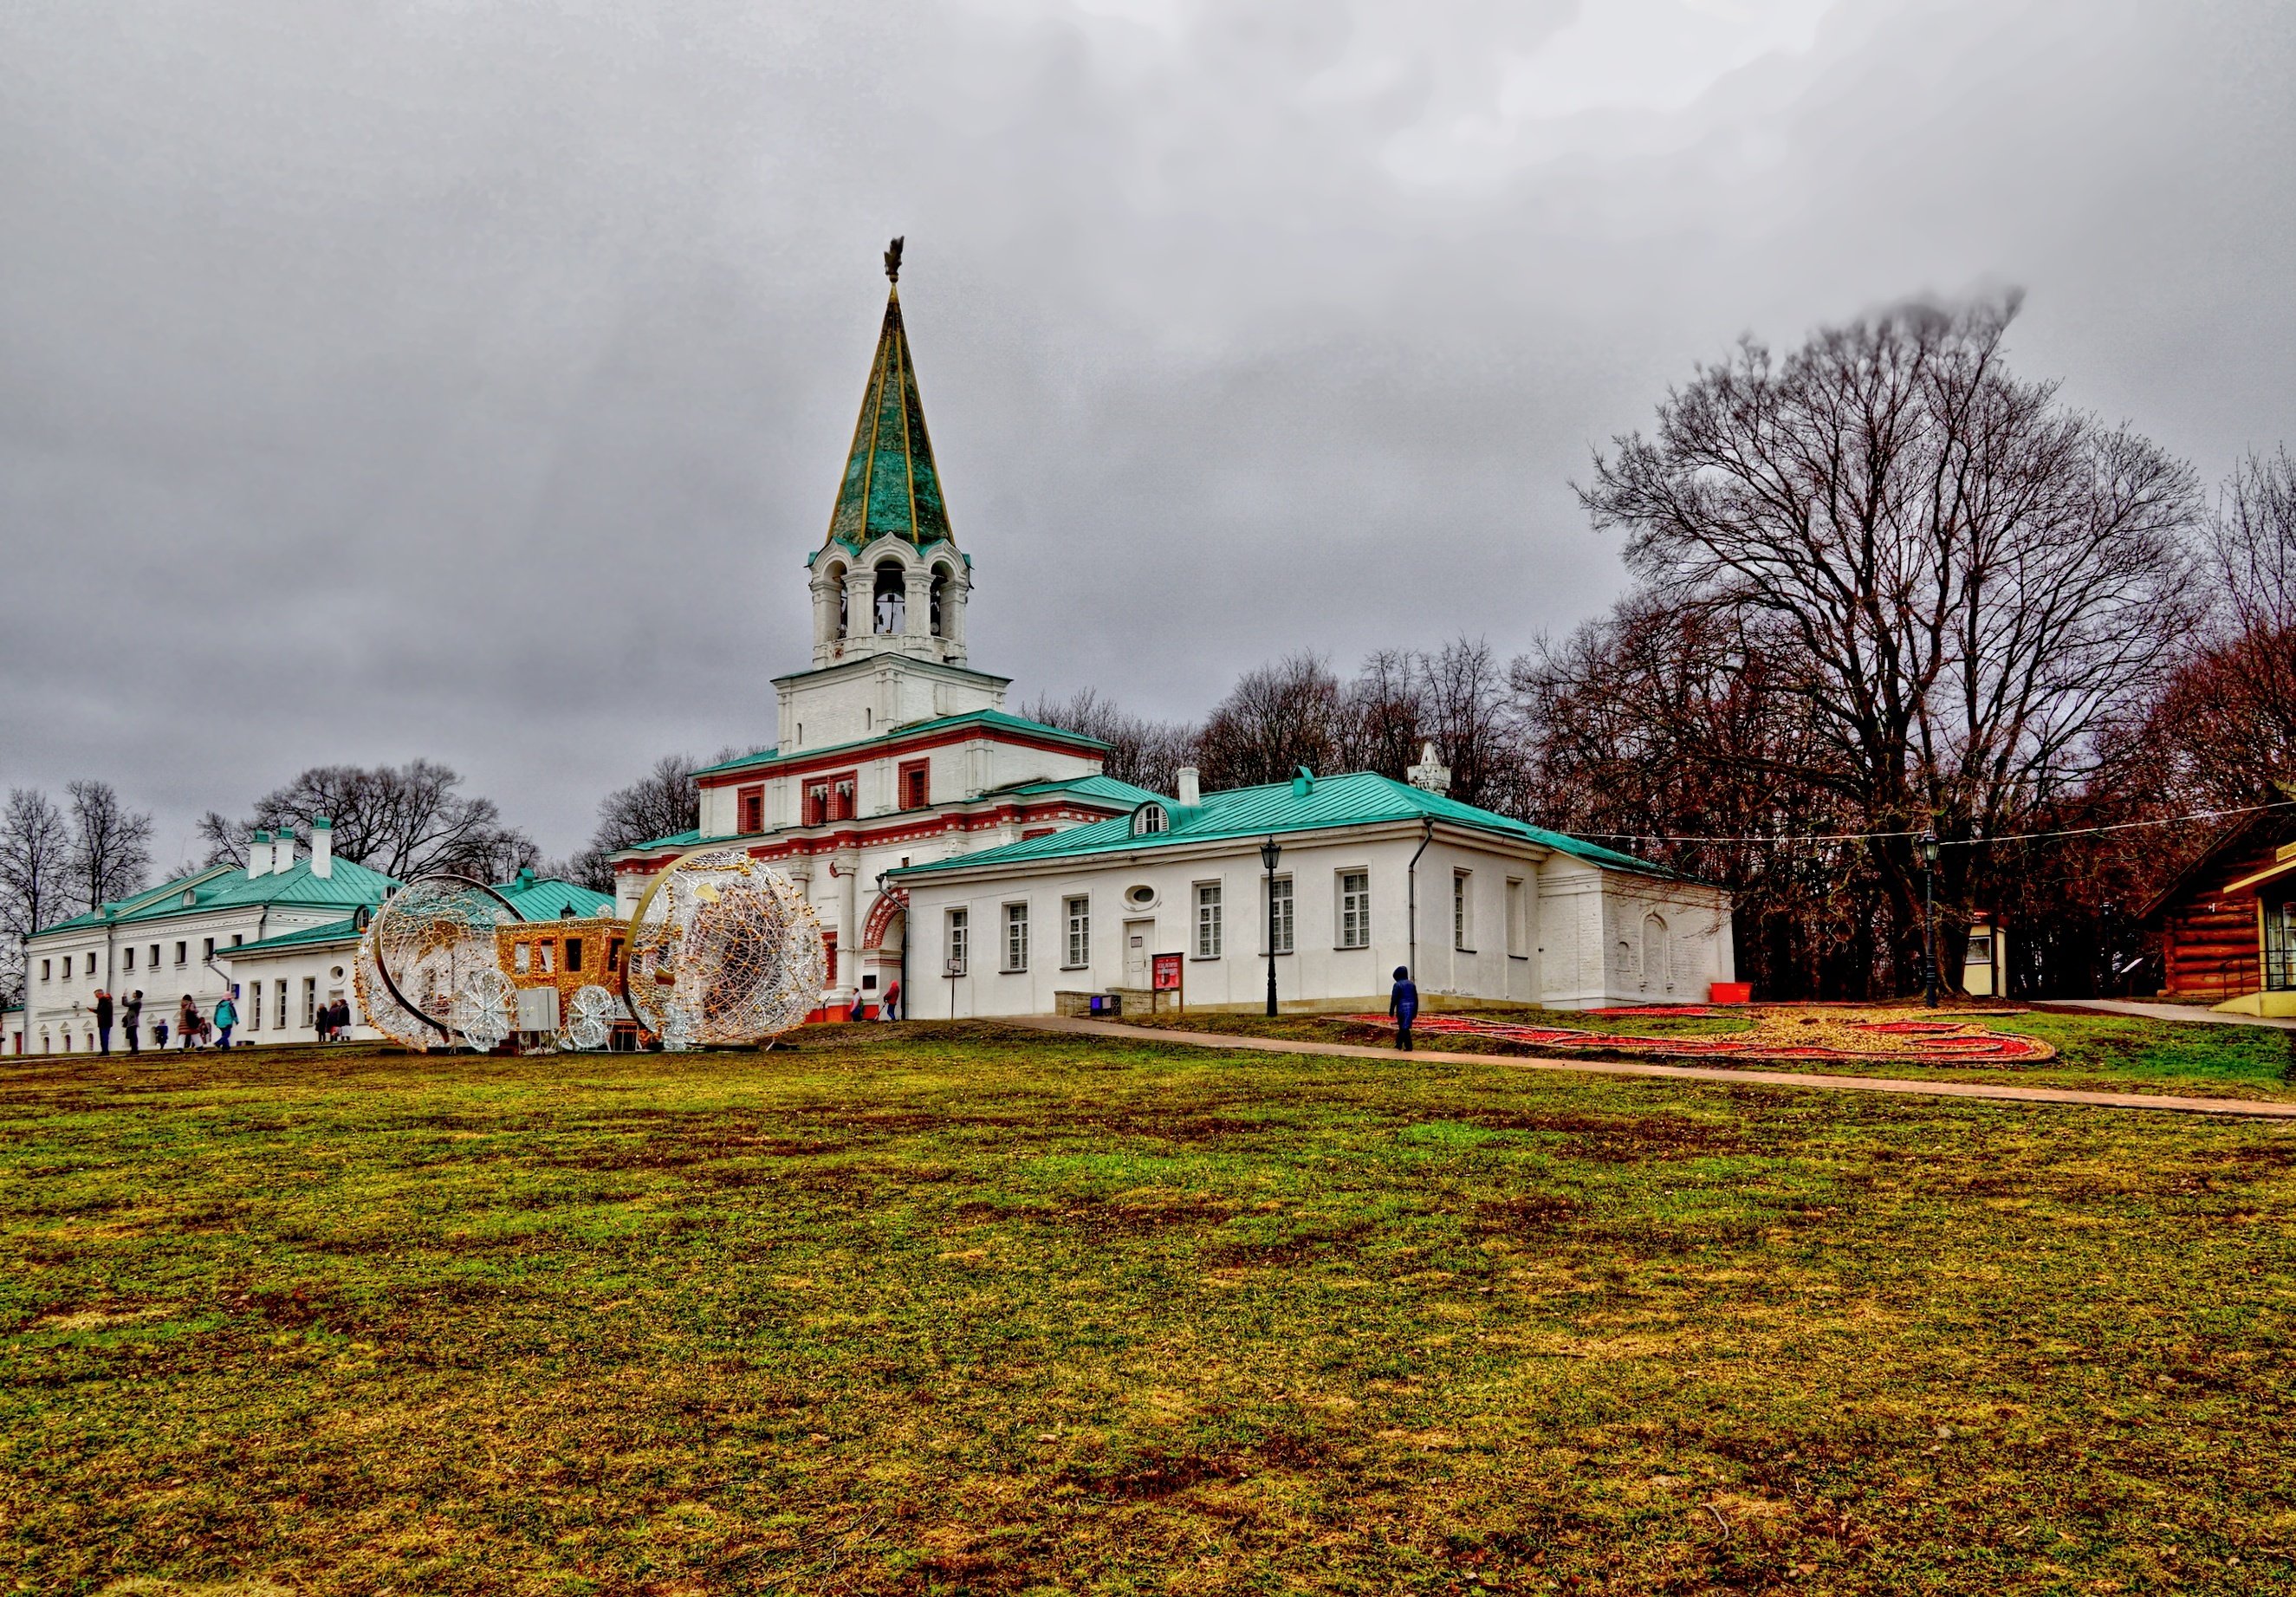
[1166,977]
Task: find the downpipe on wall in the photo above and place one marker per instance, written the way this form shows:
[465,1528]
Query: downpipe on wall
[1411,892]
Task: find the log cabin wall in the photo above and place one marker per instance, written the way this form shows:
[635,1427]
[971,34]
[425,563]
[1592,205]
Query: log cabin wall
[2209,943]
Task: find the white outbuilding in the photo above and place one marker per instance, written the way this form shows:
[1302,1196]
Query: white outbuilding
[1367,874]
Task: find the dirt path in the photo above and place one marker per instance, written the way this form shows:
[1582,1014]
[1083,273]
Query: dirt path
[1767,1078]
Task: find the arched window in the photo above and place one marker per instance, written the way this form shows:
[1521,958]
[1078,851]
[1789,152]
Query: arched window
[1655,968]
[837,578]
[941,580]
[1150,819]
[890,606]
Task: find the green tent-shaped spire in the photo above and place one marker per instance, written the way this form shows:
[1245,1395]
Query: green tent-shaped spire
[890,483]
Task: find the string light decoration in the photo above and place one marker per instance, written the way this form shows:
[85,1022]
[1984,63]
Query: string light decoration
[723,950]
[427,970]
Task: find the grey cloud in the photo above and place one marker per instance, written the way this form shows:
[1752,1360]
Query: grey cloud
[471,381]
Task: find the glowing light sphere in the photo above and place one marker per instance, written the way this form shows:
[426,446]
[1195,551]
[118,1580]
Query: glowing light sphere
[722,951]
[428,973]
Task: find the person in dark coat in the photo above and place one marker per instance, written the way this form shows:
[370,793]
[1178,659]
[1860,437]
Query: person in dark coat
[187,1021]
[104,1021]
[1403,1004]
[131,1016]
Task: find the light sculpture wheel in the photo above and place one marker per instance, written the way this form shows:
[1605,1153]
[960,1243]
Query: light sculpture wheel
[428,970]
[589,1020]
[722,951]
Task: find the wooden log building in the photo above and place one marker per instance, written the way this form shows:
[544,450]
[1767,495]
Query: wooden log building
[2227,925]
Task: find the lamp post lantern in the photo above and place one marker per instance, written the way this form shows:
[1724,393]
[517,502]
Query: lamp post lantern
[1270,852]
[1929,917]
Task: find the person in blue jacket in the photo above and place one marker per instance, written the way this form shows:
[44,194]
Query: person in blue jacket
[1403,1004]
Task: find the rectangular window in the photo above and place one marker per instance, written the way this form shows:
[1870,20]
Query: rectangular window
[207,950]
[960,942]
[573,954]
[1016,937]
[816,803]
[43,970]
[613,956]
[1279,915]
[1463,912]
[1355,909]
[128,952]
[1515,929]
[1078,912]
[752,806]
[154,961]
[545,956]
[91,957]
[1207,920]
[916,783]
[841,798]
[279,991]
[829,957]
[522,959]
[255,1006]
[310,1000]
[236,939]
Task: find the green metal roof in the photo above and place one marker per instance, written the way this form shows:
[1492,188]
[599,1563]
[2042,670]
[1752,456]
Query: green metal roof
[998,718]
[676,839]
[1362,799]
[1091,787]
[891,484]
[550,898]
[333,932]
[347,886]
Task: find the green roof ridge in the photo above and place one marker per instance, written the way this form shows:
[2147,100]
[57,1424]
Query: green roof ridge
[890,484]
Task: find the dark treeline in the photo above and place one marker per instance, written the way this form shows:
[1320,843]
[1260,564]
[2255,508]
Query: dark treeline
[1882,586]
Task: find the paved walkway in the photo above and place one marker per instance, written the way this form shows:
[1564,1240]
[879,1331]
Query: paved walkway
[1594,1067]
[2191,1013]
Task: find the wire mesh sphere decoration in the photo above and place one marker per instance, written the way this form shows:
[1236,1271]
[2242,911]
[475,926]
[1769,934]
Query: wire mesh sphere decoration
[723,951]
[429,954]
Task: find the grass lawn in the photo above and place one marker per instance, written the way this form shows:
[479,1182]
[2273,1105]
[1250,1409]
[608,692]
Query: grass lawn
[962,1309]
[2107,1053]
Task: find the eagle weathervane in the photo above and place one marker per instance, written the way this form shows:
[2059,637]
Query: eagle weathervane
[893,262]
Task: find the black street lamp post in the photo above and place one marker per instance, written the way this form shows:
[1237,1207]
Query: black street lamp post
[1929,916]
[1270,852]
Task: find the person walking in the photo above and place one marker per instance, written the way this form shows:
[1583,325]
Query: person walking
[890,1009]
[226,1016]
[342,1020]
[160,1035]
[1403,1004]
[131,1017]
[187,1021]
[104,1021]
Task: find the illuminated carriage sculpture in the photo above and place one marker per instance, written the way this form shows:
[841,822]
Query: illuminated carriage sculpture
[722,951]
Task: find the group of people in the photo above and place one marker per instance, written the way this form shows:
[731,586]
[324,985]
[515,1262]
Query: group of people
[193,1028]
[334,1020]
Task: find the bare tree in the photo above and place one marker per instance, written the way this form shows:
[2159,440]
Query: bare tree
[1957,580]
[1277,718]
[111,853]
[401,820]
[1384,712]
[35,874]
[1146,753]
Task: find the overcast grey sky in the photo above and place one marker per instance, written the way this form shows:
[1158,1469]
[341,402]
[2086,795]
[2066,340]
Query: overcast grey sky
[383,378]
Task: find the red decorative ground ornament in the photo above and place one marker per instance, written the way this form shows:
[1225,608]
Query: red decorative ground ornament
[1783,1033]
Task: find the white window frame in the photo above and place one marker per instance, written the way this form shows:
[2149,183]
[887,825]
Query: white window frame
[1013,928]
[310,1002]
[255,1006]
[1075,924]
[1351,907]
[957,929]
[1516,929]
[1463,912]
[1278,932]
[1209,910]
[279,991]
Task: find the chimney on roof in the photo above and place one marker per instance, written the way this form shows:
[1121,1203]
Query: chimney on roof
[322,846]
[1430,773]
[1190,782]
[282,851]
[258,854]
